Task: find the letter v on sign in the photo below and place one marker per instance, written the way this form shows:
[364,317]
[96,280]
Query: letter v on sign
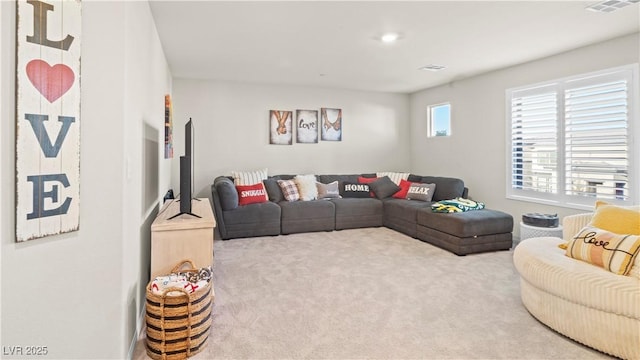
[37,124]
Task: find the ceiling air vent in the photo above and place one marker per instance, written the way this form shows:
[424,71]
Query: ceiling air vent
[610,5]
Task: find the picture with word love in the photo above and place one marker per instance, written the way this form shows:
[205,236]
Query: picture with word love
[307,126]
[47,118]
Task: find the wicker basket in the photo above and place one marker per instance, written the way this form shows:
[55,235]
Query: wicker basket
[178,326]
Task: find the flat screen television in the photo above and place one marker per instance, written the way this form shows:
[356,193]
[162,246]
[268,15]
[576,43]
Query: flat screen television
[186,171]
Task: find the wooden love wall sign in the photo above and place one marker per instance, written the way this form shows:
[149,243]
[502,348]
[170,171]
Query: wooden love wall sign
[47,118]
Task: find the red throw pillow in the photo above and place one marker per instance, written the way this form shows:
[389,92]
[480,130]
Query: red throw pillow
[364,180]
[251,194]
[404,189]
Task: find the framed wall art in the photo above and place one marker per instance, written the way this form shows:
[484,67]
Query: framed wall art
[168,127]
[331,124]
[47,118]
[307,126]
[280,128]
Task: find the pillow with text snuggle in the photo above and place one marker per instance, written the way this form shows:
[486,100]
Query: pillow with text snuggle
[422,192]
[611,251]
[354,190]
[328,191]
[404,189]
[383,187]
[289,190]
[251,194]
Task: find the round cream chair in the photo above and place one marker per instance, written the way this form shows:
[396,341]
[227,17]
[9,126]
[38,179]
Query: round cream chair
[582,301]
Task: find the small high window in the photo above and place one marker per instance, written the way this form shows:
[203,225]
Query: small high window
[439,120]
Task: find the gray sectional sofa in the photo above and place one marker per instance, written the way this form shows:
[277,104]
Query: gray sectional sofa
[460,233]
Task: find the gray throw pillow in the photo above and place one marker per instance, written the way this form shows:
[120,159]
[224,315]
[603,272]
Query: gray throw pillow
[227,193]
[384,187]
[422,192]
[328,191]
[273,189]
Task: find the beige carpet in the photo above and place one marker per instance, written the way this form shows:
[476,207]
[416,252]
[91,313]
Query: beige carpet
[370,294]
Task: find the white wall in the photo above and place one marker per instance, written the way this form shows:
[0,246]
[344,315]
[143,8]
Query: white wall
[79,293]
[476,151]
[232,130]
[147,80]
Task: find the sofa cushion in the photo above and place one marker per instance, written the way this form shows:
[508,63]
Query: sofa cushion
[446,187]
[261,219]
[354,190]
[617,219]
[328,191]
[326,179]
[404,189]
[226,192]
[251,194]
[400,214]
[289,190]
[422,192]
[357,213]
[249,177]
[383,187]
[613,252]
[273,189]
[466,224]
[305,216]
[394,176]
[306,187]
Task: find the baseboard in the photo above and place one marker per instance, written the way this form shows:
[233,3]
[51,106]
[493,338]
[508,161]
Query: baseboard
[138,332]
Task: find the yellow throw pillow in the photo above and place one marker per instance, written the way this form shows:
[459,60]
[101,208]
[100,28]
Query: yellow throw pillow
[617,219]
[613,252]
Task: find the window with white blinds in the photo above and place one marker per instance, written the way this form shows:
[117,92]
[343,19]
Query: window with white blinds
[570,140]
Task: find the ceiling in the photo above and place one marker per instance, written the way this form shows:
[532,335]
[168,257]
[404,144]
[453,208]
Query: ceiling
[336,43]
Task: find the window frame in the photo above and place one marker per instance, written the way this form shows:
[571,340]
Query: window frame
[561,199]
[430,120]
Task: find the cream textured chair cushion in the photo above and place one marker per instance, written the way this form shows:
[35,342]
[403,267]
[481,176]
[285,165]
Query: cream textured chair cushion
[586,303]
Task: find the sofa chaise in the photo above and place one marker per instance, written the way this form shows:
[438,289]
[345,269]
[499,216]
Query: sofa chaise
[461,233]
[585,302]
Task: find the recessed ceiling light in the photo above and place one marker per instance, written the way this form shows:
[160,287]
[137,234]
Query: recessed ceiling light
[610,5]
[389,37]
[432,67]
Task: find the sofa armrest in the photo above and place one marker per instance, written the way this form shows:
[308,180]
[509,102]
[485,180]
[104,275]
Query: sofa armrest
[573,223]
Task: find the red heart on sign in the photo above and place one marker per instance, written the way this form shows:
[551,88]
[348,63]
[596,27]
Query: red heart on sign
[51,81]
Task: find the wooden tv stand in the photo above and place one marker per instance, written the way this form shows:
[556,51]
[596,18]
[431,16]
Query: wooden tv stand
[183,237]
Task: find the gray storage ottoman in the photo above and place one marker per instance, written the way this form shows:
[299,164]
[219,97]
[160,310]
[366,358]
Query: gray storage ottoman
[466,232]
[357,213]
[307,216]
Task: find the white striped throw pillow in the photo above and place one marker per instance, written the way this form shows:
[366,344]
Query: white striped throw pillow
[394,176]
[249,177]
